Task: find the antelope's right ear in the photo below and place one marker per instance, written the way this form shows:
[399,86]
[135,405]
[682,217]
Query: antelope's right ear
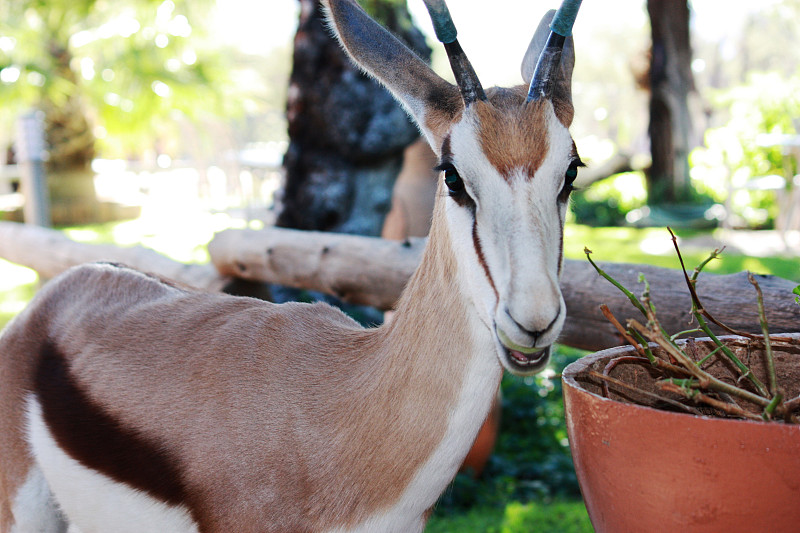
[433,102]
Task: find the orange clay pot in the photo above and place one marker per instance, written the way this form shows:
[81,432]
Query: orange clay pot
[645,470]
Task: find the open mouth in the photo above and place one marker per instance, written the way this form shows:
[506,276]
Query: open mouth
[523,359]
[528,362]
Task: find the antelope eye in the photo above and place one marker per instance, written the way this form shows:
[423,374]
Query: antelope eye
[569,178]
[453,181]
[572,172]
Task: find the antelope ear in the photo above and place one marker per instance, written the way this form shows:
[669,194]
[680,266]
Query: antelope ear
[432,102]
[564,79]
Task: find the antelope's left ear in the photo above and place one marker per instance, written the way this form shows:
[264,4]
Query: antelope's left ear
[433,102]
[563,82]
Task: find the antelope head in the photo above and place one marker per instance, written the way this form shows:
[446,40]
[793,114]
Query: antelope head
[507,162]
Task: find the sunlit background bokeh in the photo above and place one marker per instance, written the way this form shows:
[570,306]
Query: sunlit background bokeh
[186,101]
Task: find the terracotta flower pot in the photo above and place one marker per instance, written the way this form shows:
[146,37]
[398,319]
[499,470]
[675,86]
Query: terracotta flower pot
[642,469]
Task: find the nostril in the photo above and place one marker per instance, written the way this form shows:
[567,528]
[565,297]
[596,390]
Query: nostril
[535,334]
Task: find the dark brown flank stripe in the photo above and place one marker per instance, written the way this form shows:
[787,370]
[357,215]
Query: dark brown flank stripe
[98,441]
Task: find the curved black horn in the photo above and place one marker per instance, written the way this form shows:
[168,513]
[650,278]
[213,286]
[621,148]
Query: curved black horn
[467,80]
[550,59]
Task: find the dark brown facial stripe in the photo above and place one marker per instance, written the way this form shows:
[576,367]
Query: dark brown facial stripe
[476,241]
[560,244]
[95,439]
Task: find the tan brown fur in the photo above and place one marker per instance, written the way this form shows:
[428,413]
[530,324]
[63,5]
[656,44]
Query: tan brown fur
[16,370]
[513,134]
[439,119]
[562,105]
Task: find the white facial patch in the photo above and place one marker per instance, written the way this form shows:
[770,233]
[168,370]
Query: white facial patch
[513,242]
[92,502]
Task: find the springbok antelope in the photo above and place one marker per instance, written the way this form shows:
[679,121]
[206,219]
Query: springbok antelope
[130,404]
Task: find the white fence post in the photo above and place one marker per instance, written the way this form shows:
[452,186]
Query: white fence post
[30,149]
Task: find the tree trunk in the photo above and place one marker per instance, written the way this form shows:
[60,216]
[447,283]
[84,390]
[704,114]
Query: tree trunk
[671,81]
[69,134]
[347,133]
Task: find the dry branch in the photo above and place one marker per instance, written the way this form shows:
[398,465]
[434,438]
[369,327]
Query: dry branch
[372,271]
[362,270]
[50,252]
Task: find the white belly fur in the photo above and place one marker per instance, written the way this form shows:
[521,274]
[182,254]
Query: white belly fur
[34,508]
[93,502]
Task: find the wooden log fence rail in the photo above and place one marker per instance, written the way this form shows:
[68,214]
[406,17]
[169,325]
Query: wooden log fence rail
[373,271]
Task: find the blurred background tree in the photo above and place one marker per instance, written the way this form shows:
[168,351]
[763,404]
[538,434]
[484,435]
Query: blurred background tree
[108,71]
[346,132]
[669,81]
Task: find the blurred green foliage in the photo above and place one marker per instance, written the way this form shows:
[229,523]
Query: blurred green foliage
[748,146]
[553,517]
[606,202]
[653,246]
[129,64]
[17,287]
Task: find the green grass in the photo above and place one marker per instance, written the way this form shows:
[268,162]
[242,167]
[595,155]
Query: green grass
[555,517]
[17,286]
[634,245]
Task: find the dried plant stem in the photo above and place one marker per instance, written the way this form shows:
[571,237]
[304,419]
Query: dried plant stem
[729,408]
[701,314]
[690,282]
[741,367]
[614,362]
[771,374]
[685,361]
[658,363]
[641,347]
[706,380]
[643,350]
[792,404]
[632,297]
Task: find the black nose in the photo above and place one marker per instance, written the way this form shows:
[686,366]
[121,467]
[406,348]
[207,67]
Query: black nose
[538,333]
